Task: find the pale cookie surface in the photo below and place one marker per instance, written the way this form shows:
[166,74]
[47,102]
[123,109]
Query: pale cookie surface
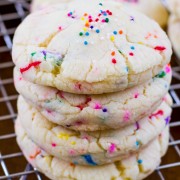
[92,148]
[96,112]
[90,47]
[174,7]
[174,33]
[135,167]
[153,9]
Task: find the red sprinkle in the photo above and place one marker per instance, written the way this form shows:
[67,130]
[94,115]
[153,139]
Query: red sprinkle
[82,106]
[53,145]
[160,112]
[33,64]
[160,48]
[131,54]
[96,19]
[114,61]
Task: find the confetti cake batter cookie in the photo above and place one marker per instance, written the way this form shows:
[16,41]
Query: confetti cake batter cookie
[92,148]
[90,47]
[154,8]
[135,167]
[174,33]
[174,7]
[96,112]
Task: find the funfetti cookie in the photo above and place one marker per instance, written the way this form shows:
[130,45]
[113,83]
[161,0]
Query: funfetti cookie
[134,167]
[90,47]
[174,33]
[96,112]
[174,7]
[92,148]
[154,8]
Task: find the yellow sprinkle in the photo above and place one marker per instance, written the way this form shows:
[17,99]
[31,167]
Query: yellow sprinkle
[140,43]
[73,143]
[112,38]
[82,18]
[63,136]
[84,28]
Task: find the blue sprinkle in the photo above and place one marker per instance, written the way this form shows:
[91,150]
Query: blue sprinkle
[87,34]
[139,161]
[104,110]
[89,159]
[167,120]
[85,43]
[137,143]
[97,31]
[132,47]
[127,69]
[115,32]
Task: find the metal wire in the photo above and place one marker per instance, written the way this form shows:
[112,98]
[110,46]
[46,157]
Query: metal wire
[20,10]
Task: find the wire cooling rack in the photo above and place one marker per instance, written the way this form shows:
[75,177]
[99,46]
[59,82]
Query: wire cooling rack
[12,163]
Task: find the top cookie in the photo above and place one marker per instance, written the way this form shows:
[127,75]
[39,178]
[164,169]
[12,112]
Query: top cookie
[90,47]
[154,8]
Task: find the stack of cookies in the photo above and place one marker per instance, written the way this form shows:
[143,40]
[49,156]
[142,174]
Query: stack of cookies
[93,78]
[174,25]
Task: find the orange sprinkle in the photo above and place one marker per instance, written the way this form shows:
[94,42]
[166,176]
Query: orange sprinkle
[71,164]
[113,53]
[87,24]
[120,32]
[85,14]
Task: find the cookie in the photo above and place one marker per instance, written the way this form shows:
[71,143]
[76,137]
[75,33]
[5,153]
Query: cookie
[174,7]
[154,8]
[96,112]
[174,33]
[90,47]
[90,148]
[135,167]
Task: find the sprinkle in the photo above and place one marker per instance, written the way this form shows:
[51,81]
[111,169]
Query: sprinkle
[132,47]
[107,20]
[54,145]
[104,110]
[72,164]
[126,116]
[96,19]
[85,43]
[60,28]
[160,113]
[73,143]
[161,74]
[38,151]
[120,32]
[72,152]
[115,32]
[136,95]
[160,48]
[112,38]
[131,54]
[32,54]
[112,148]
[168,69]
[98,106]
[97,31]
[87,33]
[100,4]
[33,64]
[137,143]
[81,34]
[89,159]
[113,53]
[63,136]
[167,120]
[84,29]
[91,27]
[114,61]
[82,18]
[103,20]
[85,14]
[131,18]
[139,161]
[137,126]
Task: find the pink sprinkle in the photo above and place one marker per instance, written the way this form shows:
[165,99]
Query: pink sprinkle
[60,28]
[168,69]
[54,145]
[48,111]
[78,86]
[72,152]
[103,21]
[126,116]
[112,148]
[20,78]
[98,106]
[136,95]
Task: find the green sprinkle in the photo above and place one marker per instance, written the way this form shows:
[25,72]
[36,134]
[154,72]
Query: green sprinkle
[161,74]
[32,54]
[100,4]
[81,34]
[107,20]
[120,51]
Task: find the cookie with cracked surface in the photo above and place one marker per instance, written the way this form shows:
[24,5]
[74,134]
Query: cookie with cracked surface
[174,7]
[92,148]
[90,47]
[153,9]
[96,112]
[134,167]
[174,33]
